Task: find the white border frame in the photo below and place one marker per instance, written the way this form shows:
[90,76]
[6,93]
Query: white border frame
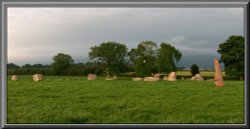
[4,4]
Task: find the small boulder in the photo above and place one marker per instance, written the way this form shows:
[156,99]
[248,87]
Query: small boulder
[37,77]
[157,76]
[14,77]
[114,77]
[91,77]
[165,78]
[137,79]
[172,76]
[109,79]
[197,77]
[150,79]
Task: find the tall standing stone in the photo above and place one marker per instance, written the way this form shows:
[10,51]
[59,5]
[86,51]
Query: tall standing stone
[218,80]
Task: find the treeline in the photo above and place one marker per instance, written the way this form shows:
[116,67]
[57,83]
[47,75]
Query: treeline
[76,69]
[113,58]
[108,59]
[146,59]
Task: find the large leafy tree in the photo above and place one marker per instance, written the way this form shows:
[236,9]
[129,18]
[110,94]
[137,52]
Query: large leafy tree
[168,57]
[61,62]
[144,58]
[232,55]
[111,55]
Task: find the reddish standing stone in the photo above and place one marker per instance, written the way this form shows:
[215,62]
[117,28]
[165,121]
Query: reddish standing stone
[218,80]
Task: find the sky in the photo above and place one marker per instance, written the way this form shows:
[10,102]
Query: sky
[35,35]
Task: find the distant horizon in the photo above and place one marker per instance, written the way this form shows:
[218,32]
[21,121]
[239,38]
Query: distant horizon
[185,67]
[35,35]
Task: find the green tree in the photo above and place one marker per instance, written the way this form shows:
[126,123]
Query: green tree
[12,66]
[232,55]
[26,66]
[61,63]
[168,57]
[77,65]
[194,69]
[144,58]
[111,55]
[132,55]
[37,66]
[91,67]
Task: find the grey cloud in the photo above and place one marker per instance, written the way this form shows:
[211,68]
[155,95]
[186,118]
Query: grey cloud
[46,31]
[177,39]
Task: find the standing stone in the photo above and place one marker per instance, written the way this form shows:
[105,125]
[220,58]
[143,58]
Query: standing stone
[218,80]
[37,77]
[91,77]
[172,76]
[14,78]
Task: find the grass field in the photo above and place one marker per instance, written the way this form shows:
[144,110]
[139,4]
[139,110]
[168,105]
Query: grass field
[67,100]
[203,73]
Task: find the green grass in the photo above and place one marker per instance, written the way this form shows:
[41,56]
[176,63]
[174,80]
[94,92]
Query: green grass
[203,73]
[55,101]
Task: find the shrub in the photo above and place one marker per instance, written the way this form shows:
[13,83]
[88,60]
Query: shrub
[194,69]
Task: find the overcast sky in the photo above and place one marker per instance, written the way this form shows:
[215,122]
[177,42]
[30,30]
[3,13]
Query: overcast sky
[35,35]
